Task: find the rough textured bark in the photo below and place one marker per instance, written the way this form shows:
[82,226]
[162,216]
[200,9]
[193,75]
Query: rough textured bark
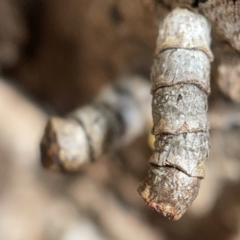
[180,76]
[225,17]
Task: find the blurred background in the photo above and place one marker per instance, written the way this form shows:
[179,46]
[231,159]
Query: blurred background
[56,55]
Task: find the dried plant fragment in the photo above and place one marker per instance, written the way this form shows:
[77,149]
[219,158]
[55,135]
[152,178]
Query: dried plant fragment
[180,77]
[118,115]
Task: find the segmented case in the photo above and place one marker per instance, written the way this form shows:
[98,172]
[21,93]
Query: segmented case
[117,116]
[180,87]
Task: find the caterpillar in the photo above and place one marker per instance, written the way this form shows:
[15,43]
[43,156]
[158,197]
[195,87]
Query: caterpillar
[117,116]
[180,87]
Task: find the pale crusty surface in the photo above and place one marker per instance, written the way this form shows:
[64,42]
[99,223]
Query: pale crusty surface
[180,77]
[176,66]
[95,125]
[180,108]
[169,191]
[186,152]
[115,118]
[64,145]
[185,29]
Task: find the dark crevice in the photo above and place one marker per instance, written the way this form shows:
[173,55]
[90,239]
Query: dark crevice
[179,97]
[35,13]
[196,2]
[175,167]
[88,137]
[182,83]
[118,117]
[115,14]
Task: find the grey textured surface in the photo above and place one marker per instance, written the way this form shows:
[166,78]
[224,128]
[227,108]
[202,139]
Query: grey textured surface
[117,116]
[180,108]
[181,66]
[180,77]
[132,105]
[95,125]
[169,191]
[185,29]
[64,145]
[186,152]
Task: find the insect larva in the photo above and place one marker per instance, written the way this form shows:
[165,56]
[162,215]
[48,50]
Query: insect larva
[118,115]
[180,86]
